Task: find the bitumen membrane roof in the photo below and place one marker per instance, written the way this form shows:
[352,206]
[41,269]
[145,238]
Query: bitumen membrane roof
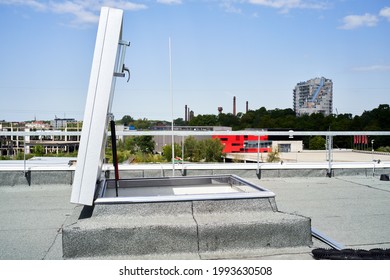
[353,210]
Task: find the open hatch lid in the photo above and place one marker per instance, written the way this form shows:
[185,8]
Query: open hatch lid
[98,106]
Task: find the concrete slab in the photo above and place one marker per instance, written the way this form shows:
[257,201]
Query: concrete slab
[26,244]
[251,230]
[205,207]
[352,211]
[31,220]
[188,227]
[36,177]
[126,235]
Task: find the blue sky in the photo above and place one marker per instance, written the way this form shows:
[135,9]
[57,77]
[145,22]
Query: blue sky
[256,50]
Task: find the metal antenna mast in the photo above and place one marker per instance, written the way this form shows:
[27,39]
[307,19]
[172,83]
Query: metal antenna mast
[170,89]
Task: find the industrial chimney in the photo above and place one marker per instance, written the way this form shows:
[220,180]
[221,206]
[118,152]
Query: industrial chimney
[234,105]
[185,113]
[247,107]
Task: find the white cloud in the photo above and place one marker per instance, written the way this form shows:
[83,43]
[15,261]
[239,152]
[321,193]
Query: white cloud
[81,14]
[355,21]
[277,3]
[372,68]
[84,12]
[169,2]
[124,5]
[229,7]
[385,12]
[30,3]
[286,5]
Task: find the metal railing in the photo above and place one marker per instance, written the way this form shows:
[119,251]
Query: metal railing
[291,134]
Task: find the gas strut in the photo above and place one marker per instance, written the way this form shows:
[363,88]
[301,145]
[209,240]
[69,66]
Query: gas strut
[114,155]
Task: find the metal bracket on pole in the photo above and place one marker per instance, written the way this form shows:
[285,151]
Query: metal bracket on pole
[121,68]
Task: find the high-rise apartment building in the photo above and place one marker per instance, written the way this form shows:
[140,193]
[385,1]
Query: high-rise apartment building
[314,96]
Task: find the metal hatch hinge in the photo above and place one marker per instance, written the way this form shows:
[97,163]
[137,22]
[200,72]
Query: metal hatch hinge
[121,68]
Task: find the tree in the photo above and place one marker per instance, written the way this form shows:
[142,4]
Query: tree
[317,143]
[199,151]
[130,144]
[229,120]
[145,144]
[126,120]
[134,144]
[39,150]
[179,122]
[204,120]
[273,156]
[142,123]
[209,150]
[189,148]
[193,149]
[167,151]
[213,150]
[247,120]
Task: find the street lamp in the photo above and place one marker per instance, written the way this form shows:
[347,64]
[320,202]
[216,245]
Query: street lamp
[372,148]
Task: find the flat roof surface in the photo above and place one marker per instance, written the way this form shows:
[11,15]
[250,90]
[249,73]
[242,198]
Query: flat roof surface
[353,211]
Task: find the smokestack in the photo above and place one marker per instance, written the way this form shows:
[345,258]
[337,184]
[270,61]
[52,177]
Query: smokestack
[188,114]
[247,107]
[234,105]
[185,114]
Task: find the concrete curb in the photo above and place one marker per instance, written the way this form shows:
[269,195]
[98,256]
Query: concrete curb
[183,228]
[40,177]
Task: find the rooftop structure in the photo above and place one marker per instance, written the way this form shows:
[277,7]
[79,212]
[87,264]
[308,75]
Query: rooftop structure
[244,143]
[58,123]
[14,145]
[313,96]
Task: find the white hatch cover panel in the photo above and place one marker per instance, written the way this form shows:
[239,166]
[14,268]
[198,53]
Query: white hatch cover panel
[98,107]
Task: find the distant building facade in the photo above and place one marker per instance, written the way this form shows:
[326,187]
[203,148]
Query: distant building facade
[244,143]
[12,145]
[162,140]
[58,123]
[313,96]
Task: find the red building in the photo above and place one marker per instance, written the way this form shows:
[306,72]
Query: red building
[244,143]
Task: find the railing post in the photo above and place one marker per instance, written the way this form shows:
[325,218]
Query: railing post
[329,142]
[258,155]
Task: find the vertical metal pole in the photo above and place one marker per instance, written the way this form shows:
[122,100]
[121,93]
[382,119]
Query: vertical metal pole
[170,89]
[372,157]
[114,155]
[330,145]
[182,155]
[24,156]
[258,154]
